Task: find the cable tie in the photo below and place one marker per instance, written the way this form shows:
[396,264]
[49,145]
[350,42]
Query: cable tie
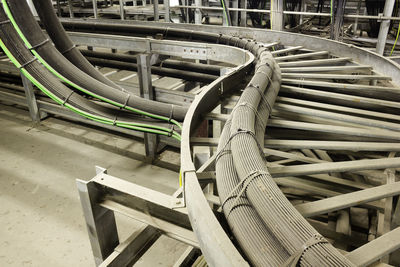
[126,101]
[219,37]
[245,104]
[5,22]
[114,121]
[242,193]
[171,131]
[27,63]
[294,259]
[171,113]
[237,41]
[67,50]
[39,44]
[262,96]
[66,99]
[166,32]
[239,131]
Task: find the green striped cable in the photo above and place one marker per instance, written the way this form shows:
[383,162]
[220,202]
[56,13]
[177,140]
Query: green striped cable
[61,77]
[134,126]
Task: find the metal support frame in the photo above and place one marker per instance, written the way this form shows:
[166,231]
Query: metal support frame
[100,222]
[33,107]
[376,249]
[384,28]
[151,141]
[104,194]
[243,14]
[197,12]
[70,8]
[122,9]
[156,10]
[95,13]
[167,11]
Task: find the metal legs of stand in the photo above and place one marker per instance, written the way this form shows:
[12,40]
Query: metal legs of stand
[104,194]
[70,8]
[121,9]
[34,112]
[277,15]
[95,8]
[147,91]
[100,221]
[156,10]
[167,11]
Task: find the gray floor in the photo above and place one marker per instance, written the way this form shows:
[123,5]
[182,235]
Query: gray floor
[41,222]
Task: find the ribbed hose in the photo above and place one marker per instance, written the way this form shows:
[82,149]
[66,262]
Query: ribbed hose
[257,242]
[63,43]
[56,60]
[278,214]
[168,63]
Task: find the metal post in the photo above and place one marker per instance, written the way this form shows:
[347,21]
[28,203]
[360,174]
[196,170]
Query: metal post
[94,8]
[277,15]
[235,14]
[121,9]
[384,29]
[31,99]
[167,11]
[197,12]
[70,7]
[58,8]
[243,14]
[355,27]
[156,11]
[100,222]
[147,91]
[303,8]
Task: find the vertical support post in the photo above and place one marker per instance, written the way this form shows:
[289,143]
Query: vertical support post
[147,91]
[303,8]
[31,99]
[384,28]
[122,9]
[94,8]
[156,11]
[277,15]
[100,221]
[70,8]
[243,14]
[355,27]
[58,8]
[167,11]
[235,14]
[337,19]
[197,12]
[187,12]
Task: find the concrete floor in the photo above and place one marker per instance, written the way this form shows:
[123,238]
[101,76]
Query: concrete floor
[41,222]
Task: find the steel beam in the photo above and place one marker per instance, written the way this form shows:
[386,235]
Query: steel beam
[324,206]
[332,167]
[375,249]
